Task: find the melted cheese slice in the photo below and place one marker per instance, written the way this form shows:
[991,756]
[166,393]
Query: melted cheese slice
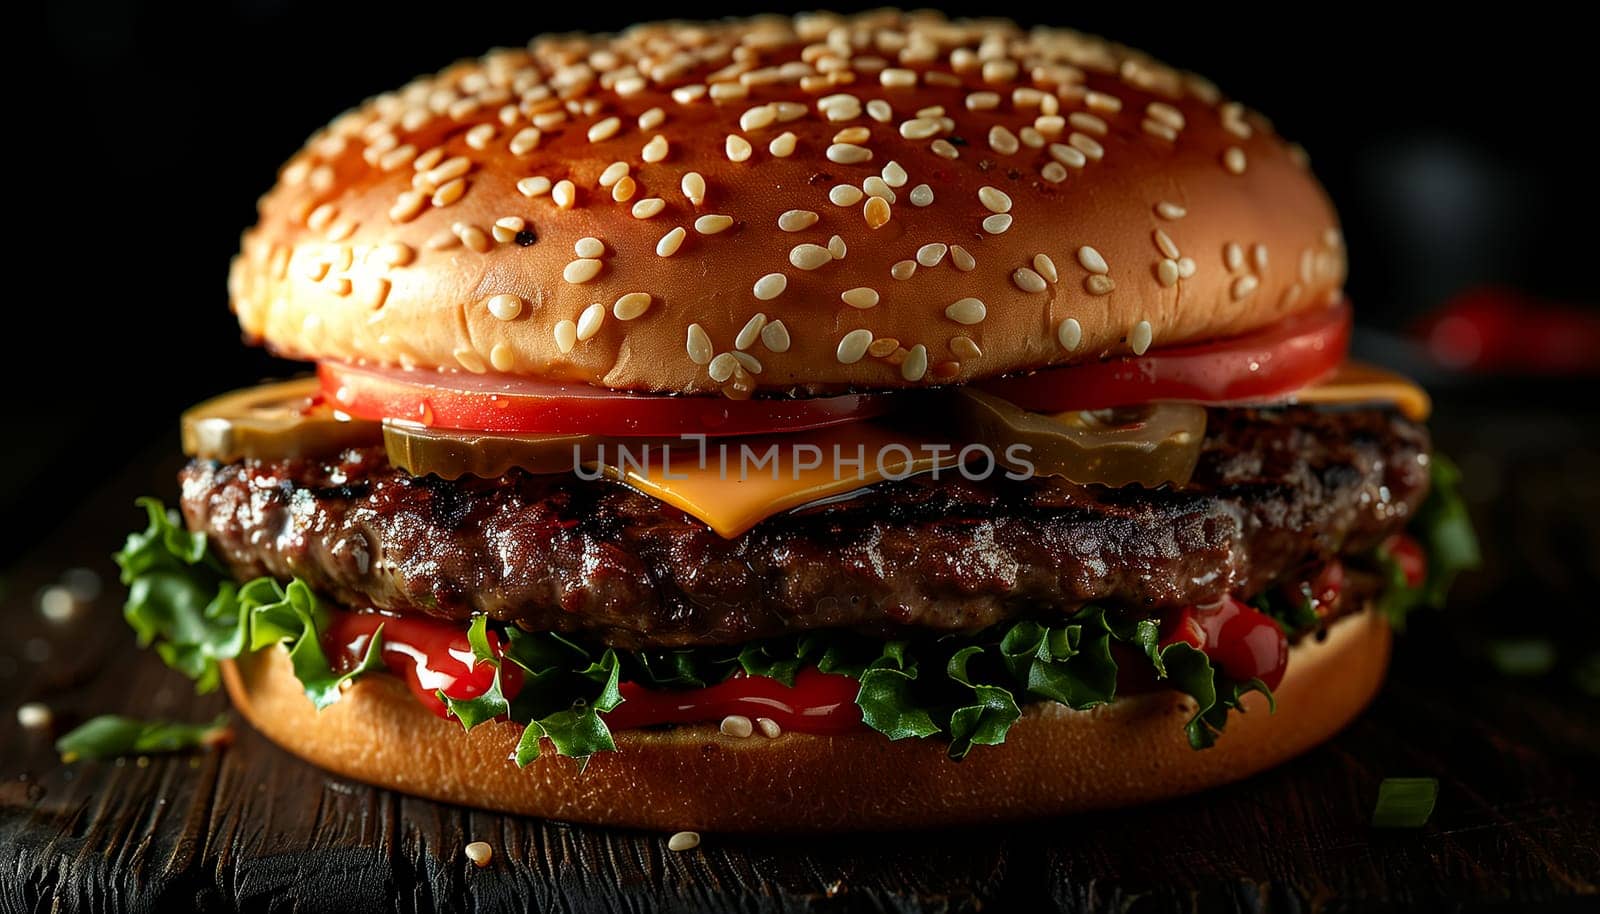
[734,484]
[1357,382]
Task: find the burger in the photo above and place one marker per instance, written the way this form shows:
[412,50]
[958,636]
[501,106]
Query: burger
[788,424]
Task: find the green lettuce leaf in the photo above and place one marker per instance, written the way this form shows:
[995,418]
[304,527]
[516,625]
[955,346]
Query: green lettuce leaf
[113,736]
[1444,528]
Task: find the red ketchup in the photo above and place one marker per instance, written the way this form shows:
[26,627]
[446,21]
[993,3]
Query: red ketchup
[816,703]
[1241,640]
[428,655]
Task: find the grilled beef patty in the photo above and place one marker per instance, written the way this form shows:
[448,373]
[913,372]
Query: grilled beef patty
[1277,491]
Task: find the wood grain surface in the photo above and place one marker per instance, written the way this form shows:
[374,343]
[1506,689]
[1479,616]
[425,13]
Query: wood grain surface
[251,828]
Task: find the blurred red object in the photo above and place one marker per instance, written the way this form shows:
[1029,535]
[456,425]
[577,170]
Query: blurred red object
[1501,331]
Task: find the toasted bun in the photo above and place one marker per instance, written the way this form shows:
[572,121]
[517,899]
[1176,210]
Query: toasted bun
[441,226]
[1053,761]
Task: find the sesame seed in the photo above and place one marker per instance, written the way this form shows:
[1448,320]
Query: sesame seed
[737,726]
[1045,267]
[1166,114]
[747,362]
[758,117]
[393,254]
[683,95]
[982,101]
[1234,161]
[480,853]
[967,311]
[1092,261]
[894,175]
[449,169]
[1258,257]
[614,172]
[853,346]
[874,186]
[565,194]
[505,307]
[1083,120]
[1165,244]
[916,363]
[879,110]
[589,247]
[965,348]
[728,91]
[1167,272]
[770,286]
[860,297]
[1244,287]
[797,220]
[845,195]
[920,128]
[406,206]
[848,154]
[1069,333]
[398,157]
[929,255]
[836,247]
[961,260]
[450,192]
[1054,172]
[1098,284]
[997,224]
[1068,156]
[655,150]
[683,841]
[903,269]
[921,195]
[783,145]
[590,320]
[604,130]
[670,242]
[1086,145]
[1170,211]
[1159,130]
[737,147]
[648,207]
[698,345]
[752,329]
[505,228]
[775,336]
[1186,267]
[631,305]
[34,716]
[896,78]
[321,217]
[694,187]
[566,334]
[1002,140]
[1028,281]
[769,727]
[884,347]
[944,149]
[533,187]
[471,236]
[479,136]
[809,256]
[504,359]
[876,212]
[722,367]
[581,271]
[995,199]
[1140,337]
[711,224]
[1233,256]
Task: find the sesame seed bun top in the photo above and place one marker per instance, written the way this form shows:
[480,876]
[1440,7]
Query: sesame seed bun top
[807,204]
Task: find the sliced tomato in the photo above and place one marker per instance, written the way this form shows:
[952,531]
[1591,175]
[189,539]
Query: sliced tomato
[1260,366]
[500,404]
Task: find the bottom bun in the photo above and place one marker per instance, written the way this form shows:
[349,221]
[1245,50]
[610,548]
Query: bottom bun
[1054,761]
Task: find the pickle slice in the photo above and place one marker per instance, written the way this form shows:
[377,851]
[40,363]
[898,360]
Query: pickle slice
[274,421]
[452,453]
[1145,445]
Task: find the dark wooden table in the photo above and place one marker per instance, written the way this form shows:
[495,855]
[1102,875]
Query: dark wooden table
[252,828]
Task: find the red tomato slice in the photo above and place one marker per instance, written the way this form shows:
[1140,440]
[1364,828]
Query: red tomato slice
[1264,365]
[499,404]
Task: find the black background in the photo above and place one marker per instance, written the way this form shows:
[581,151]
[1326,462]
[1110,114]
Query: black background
[1456,147]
